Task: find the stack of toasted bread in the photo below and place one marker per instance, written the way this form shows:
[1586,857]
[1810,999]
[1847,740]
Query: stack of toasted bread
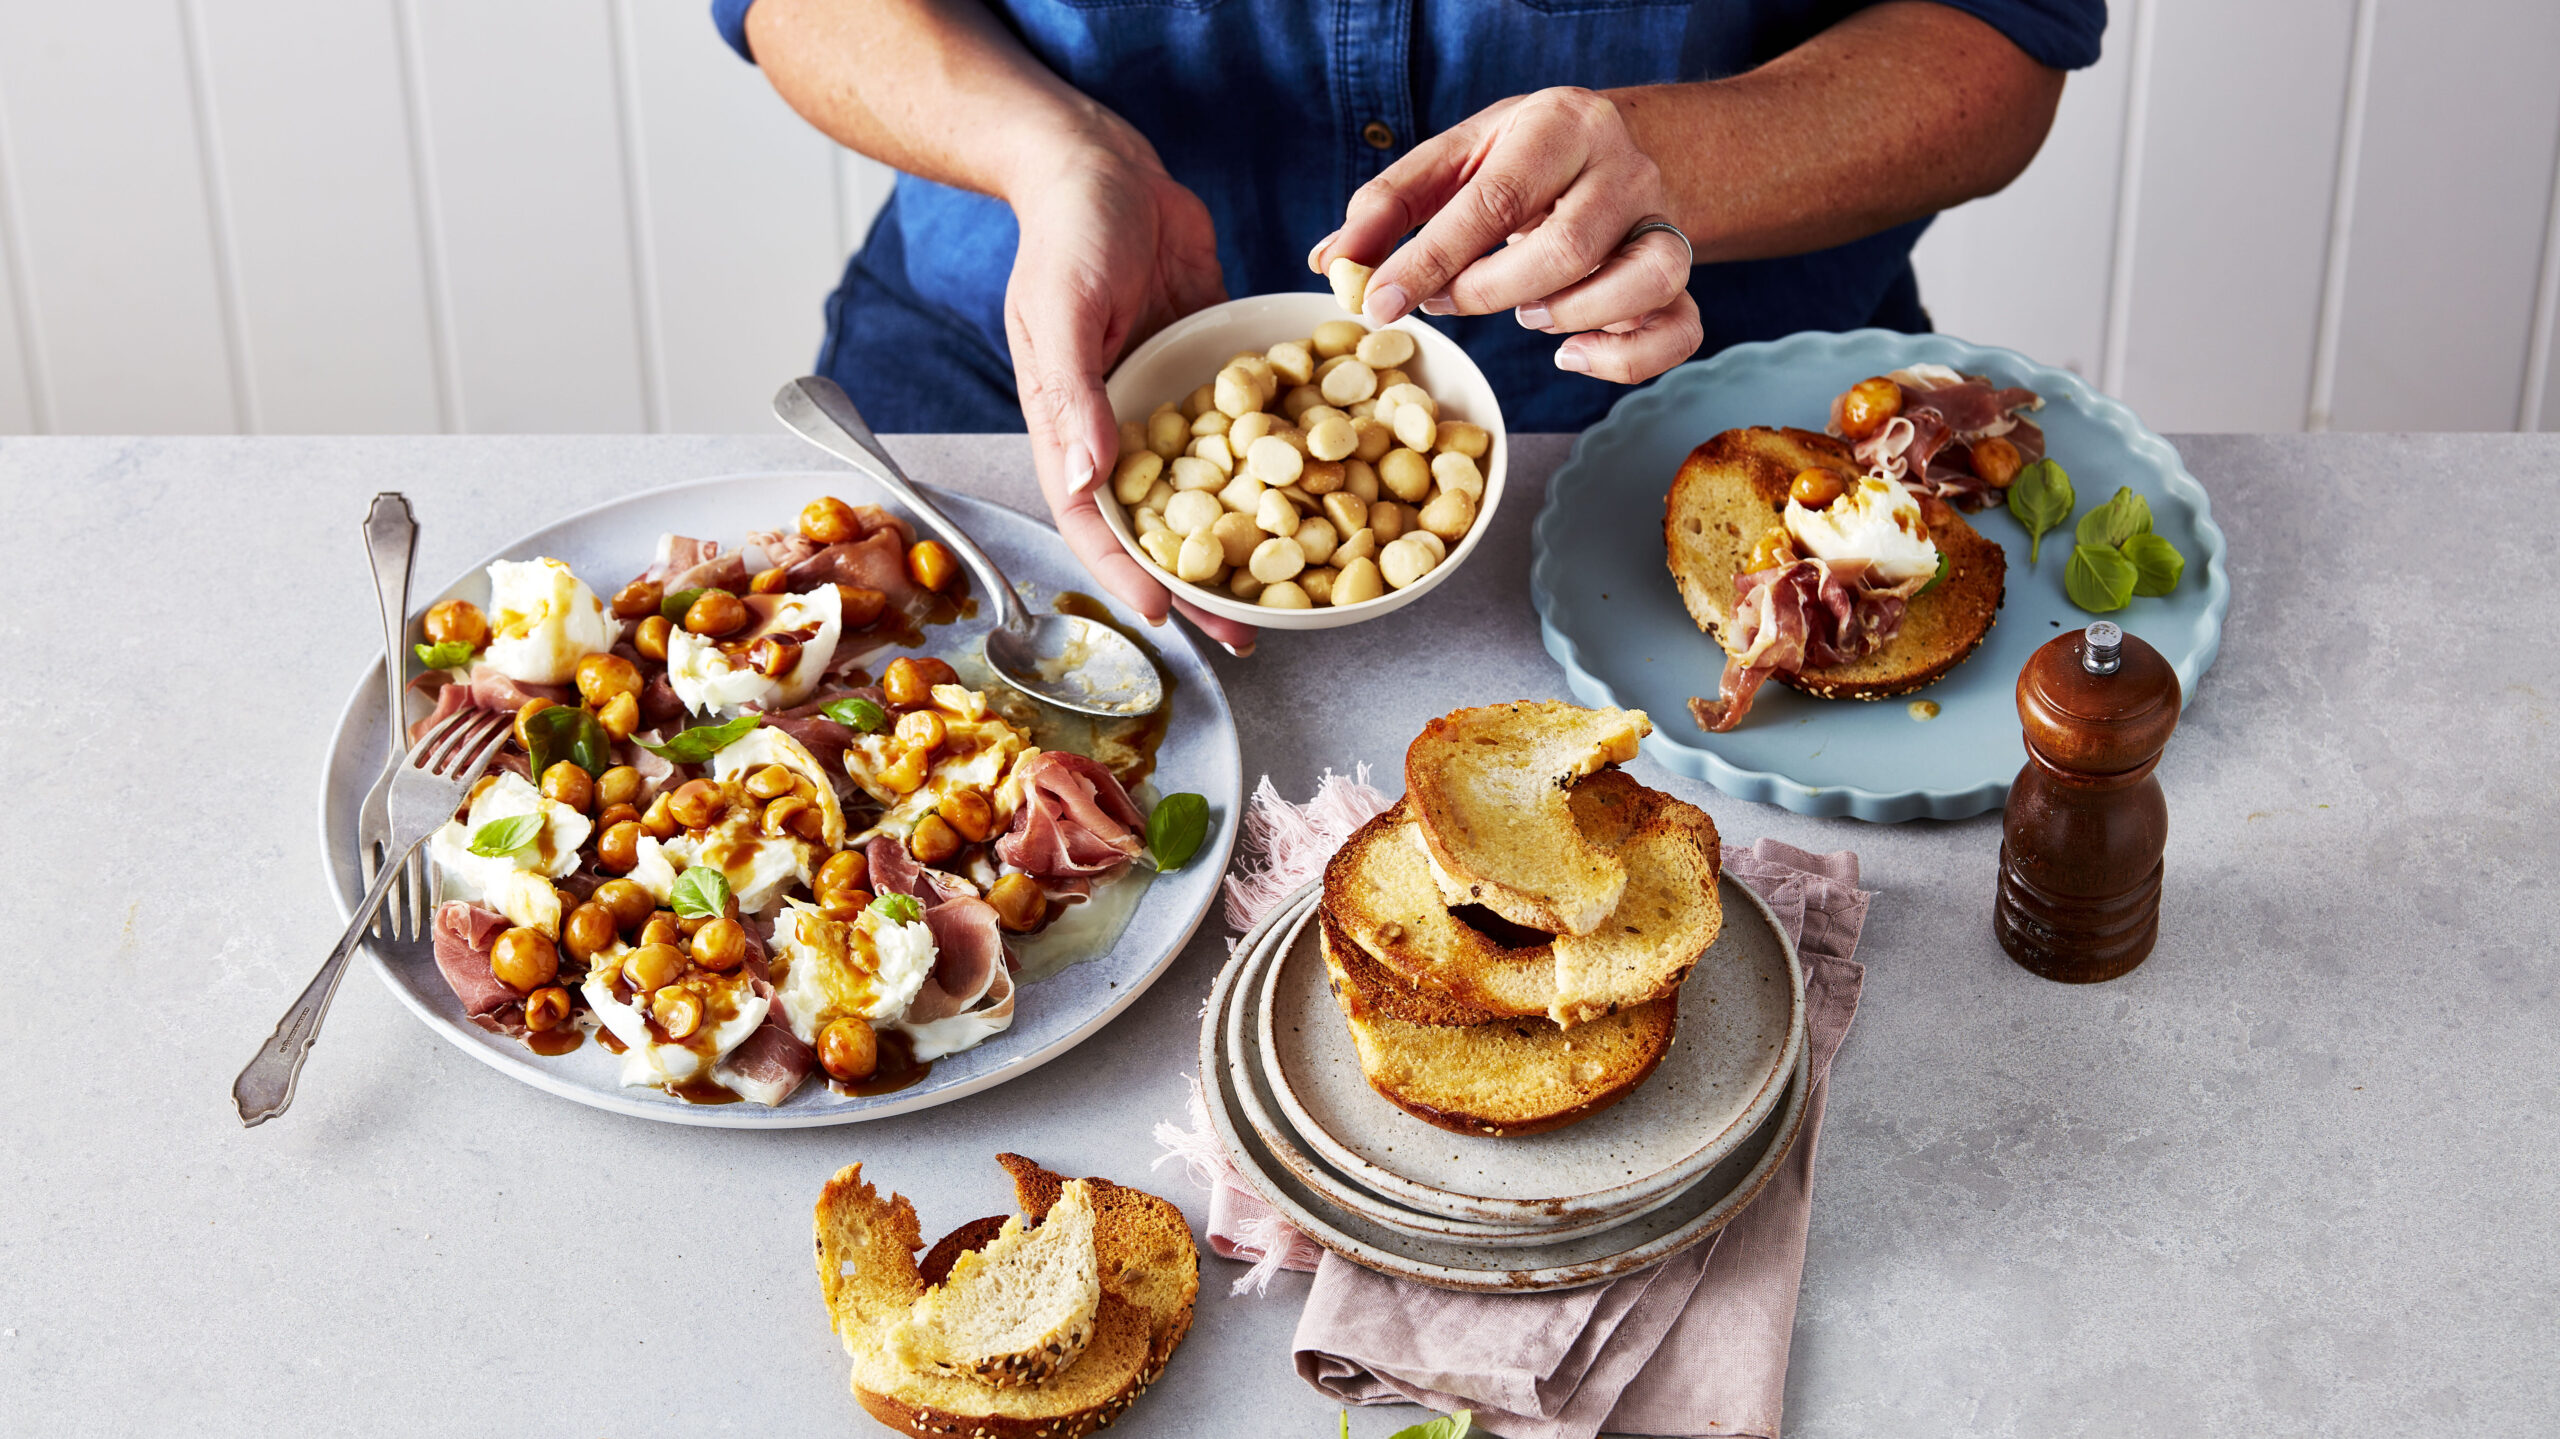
[1005,1330]
[1509,941]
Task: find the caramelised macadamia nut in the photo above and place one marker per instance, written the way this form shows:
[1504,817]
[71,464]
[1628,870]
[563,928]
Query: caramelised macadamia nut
[1387,518]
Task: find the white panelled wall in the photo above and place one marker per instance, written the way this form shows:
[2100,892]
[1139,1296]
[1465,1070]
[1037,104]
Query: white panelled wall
[283,216]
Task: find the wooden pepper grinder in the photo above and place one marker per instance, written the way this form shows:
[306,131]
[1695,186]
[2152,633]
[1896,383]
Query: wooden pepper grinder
[2080,852]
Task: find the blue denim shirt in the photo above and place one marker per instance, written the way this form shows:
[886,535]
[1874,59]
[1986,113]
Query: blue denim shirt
[1275,111]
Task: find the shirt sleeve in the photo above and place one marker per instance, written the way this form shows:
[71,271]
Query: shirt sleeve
[731,17]
[2060,33]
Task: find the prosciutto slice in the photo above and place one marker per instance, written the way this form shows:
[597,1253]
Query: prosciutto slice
[464,935]
[684,564]
[968,960]
[1806,614]
[894,871]
[1943,411]
[481,687]
[877,561]
[1075,821]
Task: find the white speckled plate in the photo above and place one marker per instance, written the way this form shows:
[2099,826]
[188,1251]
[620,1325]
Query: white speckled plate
[1741,1030]
[1611,616]
[1243,1052]
[1053,1015]
[1695,1215]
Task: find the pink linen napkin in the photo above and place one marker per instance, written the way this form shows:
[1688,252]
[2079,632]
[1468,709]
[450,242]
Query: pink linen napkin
[1696,1345]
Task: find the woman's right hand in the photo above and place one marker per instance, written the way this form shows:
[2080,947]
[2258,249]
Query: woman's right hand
[1112,250]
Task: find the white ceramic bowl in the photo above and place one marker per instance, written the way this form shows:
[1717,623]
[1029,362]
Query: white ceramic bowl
[1188,354]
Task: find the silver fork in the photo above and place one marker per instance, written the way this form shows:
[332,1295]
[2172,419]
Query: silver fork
[426,787]
[390,539]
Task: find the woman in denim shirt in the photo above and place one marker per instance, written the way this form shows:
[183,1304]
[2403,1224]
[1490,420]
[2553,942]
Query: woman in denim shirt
[1077,173]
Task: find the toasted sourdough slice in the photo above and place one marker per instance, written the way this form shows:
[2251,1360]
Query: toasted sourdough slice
[869,1278]
[1014,1312]
[1734,487]
[1380,891]
[1488,788]
[1508,1077]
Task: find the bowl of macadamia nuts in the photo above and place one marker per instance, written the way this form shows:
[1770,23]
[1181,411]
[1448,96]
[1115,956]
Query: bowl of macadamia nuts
[1285,464]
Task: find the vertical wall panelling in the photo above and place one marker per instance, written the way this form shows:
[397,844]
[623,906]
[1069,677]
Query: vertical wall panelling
[217,209]
[740,215]
[22,405]
[522,130]
[122,283]
[427,202]
[2541,407]
[2342,207]
[2027,268]
[635,179]
[2239,155]
[321,213]
[2130,162]
[2450,216]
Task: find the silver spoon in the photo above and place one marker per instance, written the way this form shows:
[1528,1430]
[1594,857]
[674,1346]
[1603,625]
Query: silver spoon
[1071,662]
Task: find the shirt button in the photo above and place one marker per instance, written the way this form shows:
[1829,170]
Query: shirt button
[1378,135]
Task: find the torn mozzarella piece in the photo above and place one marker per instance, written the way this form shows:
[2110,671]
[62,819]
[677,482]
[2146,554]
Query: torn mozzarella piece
[828,969]
[710,680]
[764,745]
[1876,521]
[758,866]
[734,1012]
[542,621]
[553,853]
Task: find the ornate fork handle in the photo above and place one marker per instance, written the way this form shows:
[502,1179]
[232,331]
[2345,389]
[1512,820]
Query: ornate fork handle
[264,1088]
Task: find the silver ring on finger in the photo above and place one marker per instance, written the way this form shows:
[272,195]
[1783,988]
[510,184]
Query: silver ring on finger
[1666,227]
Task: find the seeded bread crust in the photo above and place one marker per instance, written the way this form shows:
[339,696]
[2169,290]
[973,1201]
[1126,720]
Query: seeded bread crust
[1015,1312]
[1732,489]
[868,1276]
[1506,1077]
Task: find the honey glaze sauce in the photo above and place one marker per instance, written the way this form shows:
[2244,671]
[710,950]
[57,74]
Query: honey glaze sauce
[898,1069]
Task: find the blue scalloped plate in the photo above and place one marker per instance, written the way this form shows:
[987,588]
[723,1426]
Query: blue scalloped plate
[1611,617]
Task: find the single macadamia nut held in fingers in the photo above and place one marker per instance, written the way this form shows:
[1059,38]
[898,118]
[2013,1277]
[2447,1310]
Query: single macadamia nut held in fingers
[1359,582]
[1406,561]
[1384,349]
[1350,281]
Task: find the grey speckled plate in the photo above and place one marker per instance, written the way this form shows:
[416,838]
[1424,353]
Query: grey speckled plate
[1695,1215]
[1741,1029]
[1243,1053]
[1053,1015]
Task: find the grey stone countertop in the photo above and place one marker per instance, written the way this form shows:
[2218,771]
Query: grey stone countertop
[2297,1175]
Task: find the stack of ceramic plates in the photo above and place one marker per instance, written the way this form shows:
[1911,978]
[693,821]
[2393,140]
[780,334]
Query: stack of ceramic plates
[1659,1171]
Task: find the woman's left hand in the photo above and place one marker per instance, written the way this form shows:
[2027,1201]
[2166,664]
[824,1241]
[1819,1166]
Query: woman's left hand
[1526,206]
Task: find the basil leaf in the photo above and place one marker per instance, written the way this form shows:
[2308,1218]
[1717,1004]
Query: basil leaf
[565,732]
[2156,564]
[700,743]
[1447,1426]
[2040,498]
[899,908]
[701,892]
[1175,830]
[674,605]
[2098,579]
[2116,521]
[855,712]
[506,836]
[452,654]
[1935,579]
